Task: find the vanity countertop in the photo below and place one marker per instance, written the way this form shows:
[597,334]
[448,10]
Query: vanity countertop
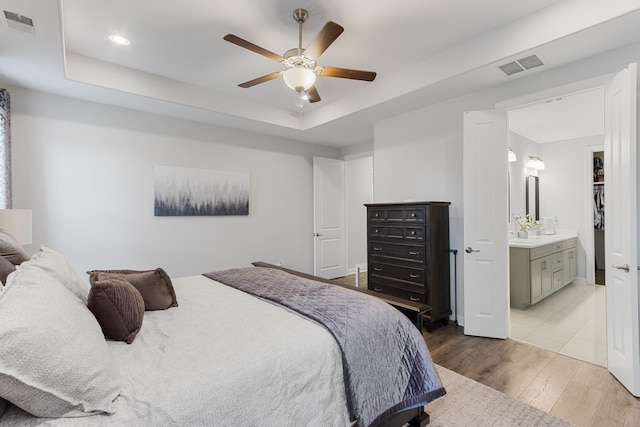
[547,239]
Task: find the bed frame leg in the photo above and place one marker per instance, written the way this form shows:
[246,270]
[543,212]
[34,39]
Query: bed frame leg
[420,420]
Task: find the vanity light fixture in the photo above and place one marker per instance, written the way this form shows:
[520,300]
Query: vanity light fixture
[512,155]
[119,40]
[535,162]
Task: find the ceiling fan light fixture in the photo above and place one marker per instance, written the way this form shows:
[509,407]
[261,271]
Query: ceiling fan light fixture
[299,79]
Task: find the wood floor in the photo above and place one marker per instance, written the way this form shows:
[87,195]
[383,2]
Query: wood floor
[576,391]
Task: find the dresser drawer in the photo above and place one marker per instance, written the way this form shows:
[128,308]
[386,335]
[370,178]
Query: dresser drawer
[379,250]
[415,276]
[398,214]
[406,214]
[396,232]
[388,289]
[377,214]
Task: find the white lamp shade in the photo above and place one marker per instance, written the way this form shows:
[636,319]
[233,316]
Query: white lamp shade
[512,155]
[17,222]
[299,79]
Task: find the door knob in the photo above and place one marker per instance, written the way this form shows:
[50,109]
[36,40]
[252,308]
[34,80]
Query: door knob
[317,234]
[469,249]
[624,267]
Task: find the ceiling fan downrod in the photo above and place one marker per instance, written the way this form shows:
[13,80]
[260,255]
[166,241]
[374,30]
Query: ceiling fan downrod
[300,15]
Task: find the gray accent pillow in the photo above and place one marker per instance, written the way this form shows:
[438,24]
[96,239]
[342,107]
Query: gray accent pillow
[55,264]
[11,249]
[54,360]
[118,307]
[154,285]
[6,268]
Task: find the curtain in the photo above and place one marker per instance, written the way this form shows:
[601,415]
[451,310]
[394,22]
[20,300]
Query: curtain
[5,150]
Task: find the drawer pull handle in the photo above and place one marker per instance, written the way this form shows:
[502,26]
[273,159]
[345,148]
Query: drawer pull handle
[414,276]
[413,233]
[414,299]
[413,215]
[376,231]
[377,289]
[377,249]
[377,269]
[414,253]
[376,215]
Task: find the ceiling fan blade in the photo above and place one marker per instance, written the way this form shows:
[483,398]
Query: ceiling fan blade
[327,35]
[253,47]
[259,80]
[312,94]
[346,73]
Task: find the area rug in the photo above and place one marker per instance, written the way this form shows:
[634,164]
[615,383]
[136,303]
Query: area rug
[469,403]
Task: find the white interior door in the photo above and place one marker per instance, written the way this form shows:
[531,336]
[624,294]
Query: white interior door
[329,218]
[623,332]
[485,181]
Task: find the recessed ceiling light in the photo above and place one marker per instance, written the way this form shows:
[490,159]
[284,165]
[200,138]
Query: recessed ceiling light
[119,40]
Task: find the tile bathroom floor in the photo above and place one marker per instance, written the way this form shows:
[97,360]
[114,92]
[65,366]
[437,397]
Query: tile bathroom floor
[572,322]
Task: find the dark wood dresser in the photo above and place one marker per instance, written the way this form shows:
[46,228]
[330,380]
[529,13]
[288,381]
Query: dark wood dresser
[408,254]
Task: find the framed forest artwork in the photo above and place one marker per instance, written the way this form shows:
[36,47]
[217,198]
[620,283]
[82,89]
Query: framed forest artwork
[199,192]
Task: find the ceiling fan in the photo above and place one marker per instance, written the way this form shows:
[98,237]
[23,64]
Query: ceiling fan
[300,66]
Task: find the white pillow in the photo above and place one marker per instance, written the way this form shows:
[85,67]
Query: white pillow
[54,360]
[56,265]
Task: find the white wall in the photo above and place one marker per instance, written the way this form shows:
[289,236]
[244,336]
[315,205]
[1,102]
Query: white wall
[563,189]
[86,170]
[418,155]
[359,190]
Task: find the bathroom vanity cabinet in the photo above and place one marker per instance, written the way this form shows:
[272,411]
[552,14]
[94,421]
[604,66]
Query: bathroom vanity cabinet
[539,267]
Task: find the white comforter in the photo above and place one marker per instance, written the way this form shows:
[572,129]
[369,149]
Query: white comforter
[222,358]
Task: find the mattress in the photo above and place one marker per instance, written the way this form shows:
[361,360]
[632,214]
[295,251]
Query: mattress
[222,357]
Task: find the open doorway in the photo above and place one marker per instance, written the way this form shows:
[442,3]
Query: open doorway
[599,216]
[565,132]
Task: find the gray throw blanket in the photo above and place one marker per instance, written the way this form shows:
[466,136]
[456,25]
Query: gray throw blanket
[387,366]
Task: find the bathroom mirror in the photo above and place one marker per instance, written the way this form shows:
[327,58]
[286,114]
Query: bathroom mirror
[531,196]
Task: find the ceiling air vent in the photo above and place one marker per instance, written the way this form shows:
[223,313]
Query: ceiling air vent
[19,22]
[521,64]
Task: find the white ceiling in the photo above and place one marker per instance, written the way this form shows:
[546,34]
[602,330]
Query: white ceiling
[179,65]
[559,119]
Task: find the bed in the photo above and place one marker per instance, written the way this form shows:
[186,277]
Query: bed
[215,355]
